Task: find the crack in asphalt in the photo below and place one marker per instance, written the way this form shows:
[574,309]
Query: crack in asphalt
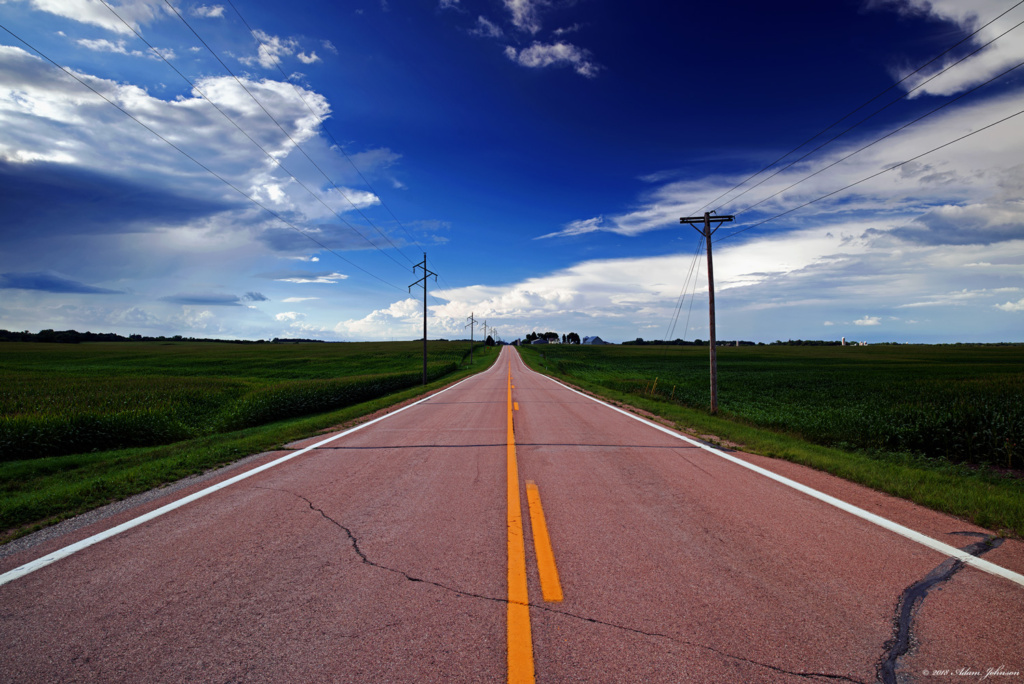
[366,560]
[912,598]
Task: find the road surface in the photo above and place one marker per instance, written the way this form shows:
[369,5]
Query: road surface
[409,550]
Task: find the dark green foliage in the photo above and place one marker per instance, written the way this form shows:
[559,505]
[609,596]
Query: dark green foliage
[962,403]
[66,399]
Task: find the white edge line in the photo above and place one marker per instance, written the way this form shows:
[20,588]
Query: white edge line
[945,549]
[66,551]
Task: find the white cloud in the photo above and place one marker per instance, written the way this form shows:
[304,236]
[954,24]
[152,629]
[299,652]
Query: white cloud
[868,320]
[525,14]
[968,191]
[448,4]
[577,228]
[321,278]
[1002,54]
[540,55]
[270,50]
[136,13]
[486,28]
[311,58]
[290,316]
[104,45]
[120,47]
[214,12]
[296,300]
[1011,306]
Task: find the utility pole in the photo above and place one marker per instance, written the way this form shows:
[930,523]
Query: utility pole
[426,274]
[471,322]
[707,232]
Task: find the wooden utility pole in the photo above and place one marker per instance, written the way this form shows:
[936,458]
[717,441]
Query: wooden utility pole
[706,230]
[472,321]
[426,274]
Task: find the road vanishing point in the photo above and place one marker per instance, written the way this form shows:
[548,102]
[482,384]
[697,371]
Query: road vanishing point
[511,529]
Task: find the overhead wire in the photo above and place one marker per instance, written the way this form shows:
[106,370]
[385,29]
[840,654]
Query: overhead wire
[682,292]
[887,135]
[874,175]
[228,117]
[866,103]
[854,111]
[284,131]
[193,159]
[337,145]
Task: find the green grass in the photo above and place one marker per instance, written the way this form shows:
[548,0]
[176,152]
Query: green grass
[929,424]
[42,490]
[58,399]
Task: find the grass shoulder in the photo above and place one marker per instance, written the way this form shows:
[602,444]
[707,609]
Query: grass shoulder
[40,492]
[980,495]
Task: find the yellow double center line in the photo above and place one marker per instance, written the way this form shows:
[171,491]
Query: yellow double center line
[520,640]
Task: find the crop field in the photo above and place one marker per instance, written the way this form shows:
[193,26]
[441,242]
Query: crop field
[58,399]
[962,404]
[85,424]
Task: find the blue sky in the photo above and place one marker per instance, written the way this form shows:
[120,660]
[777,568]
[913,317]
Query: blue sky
[540,153]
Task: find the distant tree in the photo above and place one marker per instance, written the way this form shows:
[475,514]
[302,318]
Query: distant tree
[563,339]
[490,341]
[530,337]
[573,338]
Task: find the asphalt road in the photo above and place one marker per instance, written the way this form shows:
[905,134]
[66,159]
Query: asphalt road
[406,551]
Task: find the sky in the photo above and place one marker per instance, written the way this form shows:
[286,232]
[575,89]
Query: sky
[253,169]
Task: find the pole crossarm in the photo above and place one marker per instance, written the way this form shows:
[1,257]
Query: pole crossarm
[426,275]
[705,229]
[701,220]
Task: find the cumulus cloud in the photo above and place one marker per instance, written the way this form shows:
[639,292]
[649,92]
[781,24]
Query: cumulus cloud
[1011,306]
[525,14]
[311,58]
[208,12]
[540,55]
[95,13]
[270,50]
[290,316]
[868,320]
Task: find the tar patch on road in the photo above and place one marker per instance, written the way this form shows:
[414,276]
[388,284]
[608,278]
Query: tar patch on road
[910,603]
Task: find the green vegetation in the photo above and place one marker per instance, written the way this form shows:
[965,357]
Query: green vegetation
[83,425]
[940,425]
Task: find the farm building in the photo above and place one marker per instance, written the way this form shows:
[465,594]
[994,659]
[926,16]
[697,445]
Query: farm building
[593,340]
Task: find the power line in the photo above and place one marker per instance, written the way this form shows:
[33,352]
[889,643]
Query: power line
[874,175]
[849,114]
[286,133]
[230,120]
[893,132]
[878,140]
[193,159]
[683,291]
[277,63]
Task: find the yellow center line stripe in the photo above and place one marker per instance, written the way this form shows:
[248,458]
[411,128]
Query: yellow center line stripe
[520,641]
[515,405]
[550,586]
